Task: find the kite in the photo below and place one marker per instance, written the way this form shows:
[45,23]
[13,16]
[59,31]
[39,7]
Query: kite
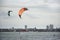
[21,11]
[9,13]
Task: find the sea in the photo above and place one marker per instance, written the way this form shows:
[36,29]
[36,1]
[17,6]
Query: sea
[29,35]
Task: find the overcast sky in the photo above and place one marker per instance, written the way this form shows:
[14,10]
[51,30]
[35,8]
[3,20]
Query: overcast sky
[40,13]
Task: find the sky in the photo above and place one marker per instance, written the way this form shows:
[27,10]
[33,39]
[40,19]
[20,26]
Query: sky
[40,13]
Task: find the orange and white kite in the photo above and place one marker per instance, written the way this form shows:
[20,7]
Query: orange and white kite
[20,12]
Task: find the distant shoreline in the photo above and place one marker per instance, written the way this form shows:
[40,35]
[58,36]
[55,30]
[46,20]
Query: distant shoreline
[29,30]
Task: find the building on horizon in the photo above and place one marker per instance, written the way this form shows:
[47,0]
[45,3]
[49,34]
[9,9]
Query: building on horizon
[49,27]
[26,28]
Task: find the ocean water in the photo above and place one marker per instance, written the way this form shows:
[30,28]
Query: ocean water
[29,35]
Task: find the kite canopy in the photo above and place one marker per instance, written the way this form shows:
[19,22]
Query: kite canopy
[9,12]
[21,11]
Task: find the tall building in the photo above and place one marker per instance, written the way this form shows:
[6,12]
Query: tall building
[35,29]
[50,27]
[13,29]
[26,27]
[47,27]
